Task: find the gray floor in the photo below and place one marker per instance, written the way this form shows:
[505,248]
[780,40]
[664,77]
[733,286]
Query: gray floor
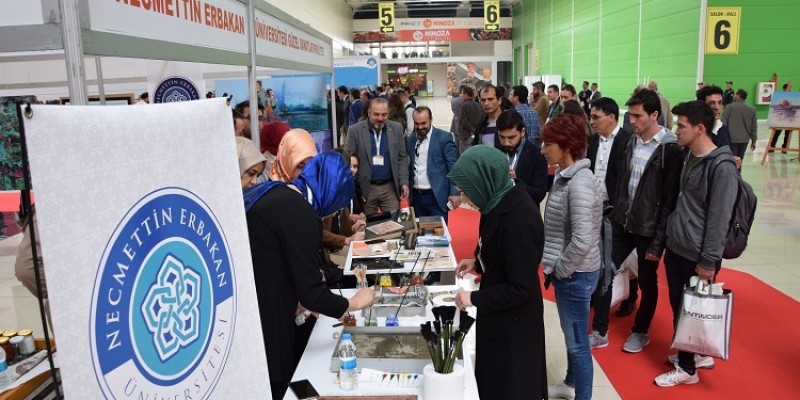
[774,243]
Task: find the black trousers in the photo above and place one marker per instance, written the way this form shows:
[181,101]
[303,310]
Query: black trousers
[738,149]
[624,243]
[679,271]
[785,139]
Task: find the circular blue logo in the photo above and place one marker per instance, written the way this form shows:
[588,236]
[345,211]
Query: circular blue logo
[372,62]
[164,302]
[175,88]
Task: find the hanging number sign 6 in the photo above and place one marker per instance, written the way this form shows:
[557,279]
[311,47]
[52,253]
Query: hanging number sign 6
[491,15]
[722,30]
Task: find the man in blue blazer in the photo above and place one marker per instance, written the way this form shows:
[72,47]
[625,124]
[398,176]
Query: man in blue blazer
[432,153]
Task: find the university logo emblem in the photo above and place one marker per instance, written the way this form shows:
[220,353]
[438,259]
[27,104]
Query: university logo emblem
[164,303]
[175,88]
[371,62]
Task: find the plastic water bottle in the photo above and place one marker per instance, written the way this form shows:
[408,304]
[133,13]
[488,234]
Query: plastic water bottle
[348,375]
[5,374]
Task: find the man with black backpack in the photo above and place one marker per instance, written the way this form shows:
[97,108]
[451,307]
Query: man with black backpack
[698,228]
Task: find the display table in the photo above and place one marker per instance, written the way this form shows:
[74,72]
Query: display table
[316,361]
[38,382]
[441,258]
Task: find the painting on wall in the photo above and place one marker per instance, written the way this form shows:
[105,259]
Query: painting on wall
[764,92]
[784,111]
[10,146]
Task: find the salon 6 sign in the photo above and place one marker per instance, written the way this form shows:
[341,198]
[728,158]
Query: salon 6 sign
[722,30]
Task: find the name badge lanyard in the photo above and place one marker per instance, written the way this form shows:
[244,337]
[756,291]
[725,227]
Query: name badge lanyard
[513,161]
[378,144]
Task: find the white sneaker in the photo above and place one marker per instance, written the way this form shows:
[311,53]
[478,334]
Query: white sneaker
[561,391]
[700,361]
[677,377]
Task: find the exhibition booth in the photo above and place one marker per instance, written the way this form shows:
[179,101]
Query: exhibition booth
[168,167]
[149,275]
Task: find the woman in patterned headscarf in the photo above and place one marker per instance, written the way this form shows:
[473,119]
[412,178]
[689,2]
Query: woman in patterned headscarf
[510,359]
[294,151]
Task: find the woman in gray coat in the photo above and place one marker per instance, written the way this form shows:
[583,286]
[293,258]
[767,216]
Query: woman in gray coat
[571,253]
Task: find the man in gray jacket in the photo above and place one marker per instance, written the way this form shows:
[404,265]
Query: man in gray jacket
[380,146]
[696,232]
[740,118]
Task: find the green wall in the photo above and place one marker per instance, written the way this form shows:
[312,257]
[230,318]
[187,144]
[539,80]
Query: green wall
[767,45]
[600,41]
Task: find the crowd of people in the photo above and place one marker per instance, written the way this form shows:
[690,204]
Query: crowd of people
[650,184]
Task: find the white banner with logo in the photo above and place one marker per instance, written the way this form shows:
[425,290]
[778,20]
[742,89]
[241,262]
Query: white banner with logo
[172,81]
[145,245]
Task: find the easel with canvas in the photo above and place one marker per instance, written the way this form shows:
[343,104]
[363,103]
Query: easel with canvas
[776,131]
[784,115]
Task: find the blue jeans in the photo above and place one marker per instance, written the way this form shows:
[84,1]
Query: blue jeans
[572,300]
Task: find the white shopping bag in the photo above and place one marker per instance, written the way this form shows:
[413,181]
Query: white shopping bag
[704,325]
[631,264]
[620,287]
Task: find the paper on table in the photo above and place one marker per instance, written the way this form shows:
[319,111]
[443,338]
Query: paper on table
[38,369]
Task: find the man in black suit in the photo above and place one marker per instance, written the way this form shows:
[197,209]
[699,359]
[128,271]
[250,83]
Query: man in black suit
[606,150]
[585,96]
[526,163]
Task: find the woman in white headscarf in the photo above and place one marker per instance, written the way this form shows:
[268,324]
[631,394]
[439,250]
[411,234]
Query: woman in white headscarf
[251,161]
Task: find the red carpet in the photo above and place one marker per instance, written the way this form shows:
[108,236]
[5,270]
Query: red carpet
[765,343]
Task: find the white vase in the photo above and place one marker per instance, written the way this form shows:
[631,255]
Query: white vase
[436,386]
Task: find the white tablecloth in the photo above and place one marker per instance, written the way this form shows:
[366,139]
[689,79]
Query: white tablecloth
[316,361]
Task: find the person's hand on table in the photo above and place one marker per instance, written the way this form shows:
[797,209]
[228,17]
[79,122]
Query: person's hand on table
[357,217]
[465,266]
[359,226]
[463,299]
[355,237]
[362,299]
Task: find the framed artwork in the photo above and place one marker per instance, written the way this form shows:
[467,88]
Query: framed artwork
[784,111]
[764,92]
[111,100]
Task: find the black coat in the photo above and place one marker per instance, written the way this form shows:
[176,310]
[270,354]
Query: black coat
[285,238]
[655,197]
[531,170]
[510,351]
[614,160]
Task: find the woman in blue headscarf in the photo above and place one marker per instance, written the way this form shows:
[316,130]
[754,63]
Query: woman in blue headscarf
[285,238]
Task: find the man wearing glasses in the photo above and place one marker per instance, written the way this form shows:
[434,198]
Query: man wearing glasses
[606,149]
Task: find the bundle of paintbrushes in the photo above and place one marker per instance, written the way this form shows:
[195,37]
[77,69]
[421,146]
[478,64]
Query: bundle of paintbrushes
[444,343]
